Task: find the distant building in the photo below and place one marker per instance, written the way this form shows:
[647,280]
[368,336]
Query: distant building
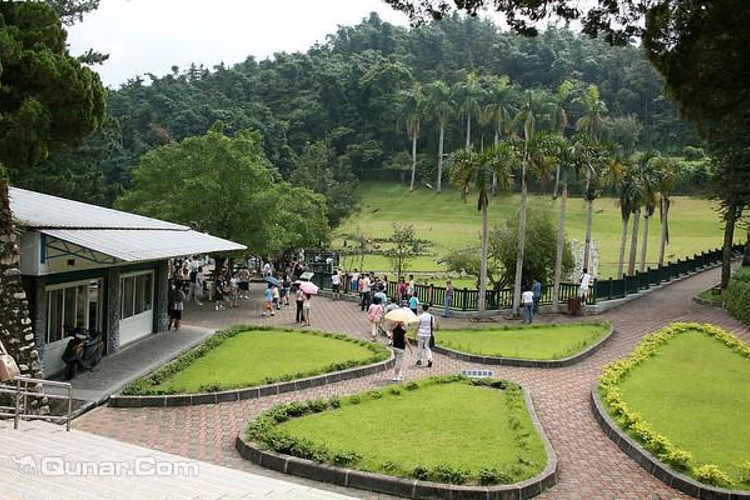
[99,268]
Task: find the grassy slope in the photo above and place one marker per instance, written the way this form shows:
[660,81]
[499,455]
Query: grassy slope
[423,427]
[247,358]
[696,392]
[450,223]
[544,342]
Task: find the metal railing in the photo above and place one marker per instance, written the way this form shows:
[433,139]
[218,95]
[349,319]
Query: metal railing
[19,392]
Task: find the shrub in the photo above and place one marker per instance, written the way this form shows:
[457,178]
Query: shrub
[392,467]
[490,476]
[346,459]
[711,474]
[442,473]
[738,297]
[421,472]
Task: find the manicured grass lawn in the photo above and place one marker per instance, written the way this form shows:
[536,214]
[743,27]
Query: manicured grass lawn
[449,223]
[711,295]
[249,358]
[543,342]
[696,392]
[395,433]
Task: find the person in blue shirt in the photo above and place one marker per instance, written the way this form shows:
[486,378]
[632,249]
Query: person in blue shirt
[414,304]
[536,290]
[268,306]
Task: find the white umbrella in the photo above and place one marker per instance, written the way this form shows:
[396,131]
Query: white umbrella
[307,287]
[403,314]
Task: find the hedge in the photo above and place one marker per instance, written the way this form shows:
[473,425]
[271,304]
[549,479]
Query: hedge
[738,296]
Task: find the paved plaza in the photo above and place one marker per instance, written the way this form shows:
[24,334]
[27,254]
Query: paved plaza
[591,466]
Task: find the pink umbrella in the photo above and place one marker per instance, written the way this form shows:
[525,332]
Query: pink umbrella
[307,287]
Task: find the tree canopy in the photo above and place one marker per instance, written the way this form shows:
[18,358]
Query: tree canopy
[225,186]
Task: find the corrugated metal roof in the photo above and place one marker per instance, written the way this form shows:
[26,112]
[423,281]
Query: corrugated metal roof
[143,245]
[37,210]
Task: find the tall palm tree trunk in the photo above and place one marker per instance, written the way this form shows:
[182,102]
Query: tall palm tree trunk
[481,305]
[634,241]
[521,239]
[664,231]
[644,245]
[623,245]
[441,141]
[557,182]
[494,175]
[413,161]
[560,249]
[468,130]
[730,218]
[589,223]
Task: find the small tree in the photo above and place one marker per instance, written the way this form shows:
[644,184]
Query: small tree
[404,247]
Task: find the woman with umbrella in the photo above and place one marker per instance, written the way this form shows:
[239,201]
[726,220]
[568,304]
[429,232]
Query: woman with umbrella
[398,337]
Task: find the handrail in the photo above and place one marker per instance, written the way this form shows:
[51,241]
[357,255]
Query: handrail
[20,393]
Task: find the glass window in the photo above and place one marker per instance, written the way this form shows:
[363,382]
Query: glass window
[139,294]
[81,305]
[94,288]
[127,291]
[147,291]
[55,319]
[69,319]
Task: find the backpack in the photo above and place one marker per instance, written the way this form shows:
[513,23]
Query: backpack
[374,313]
[193,275]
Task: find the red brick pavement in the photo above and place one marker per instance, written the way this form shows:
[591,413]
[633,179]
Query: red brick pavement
[592,467]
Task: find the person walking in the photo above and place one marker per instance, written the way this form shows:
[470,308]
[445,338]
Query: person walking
[374,316]
[448,301]
[399,344]
[299,301]
[536,289]
[268,305]
[177,305]
[335,284]
[243,277]
[527,299]
[355,281]
[414,304]
[219,293]
[199,282]
[425,330]
[366,292]
[402,291]
[412,289]
[380,294]
[306,308]
[583,291]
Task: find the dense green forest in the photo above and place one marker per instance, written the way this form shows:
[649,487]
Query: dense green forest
[337,114]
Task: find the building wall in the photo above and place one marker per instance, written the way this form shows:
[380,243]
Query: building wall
[161,297]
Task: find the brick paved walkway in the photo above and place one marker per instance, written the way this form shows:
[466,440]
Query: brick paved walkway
[592,467]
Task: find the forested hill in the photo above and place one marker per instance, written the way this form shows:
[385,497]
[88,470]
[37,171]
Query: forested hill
[331,115]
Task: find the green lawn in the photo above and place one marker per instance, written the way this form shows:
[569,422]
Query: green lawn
[711,295]
[449,223]
[696,392]
[422,427]
[543,342]
[249,358]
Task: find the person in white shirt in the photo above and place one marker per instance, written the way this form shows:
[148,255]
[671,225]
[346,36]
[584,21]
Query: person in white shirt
[335,284]
[527,299]
[198,291]
[583,291]
[266,269]
[366,292]
[425,327]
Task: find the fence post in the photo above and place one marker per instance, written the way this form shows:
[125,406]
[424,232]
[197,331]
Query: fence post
[465,298]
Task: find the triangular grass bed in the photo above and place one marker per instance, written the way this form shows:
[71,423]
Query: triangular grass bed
[533,342]
[248,356]
[444,429]
[684,395]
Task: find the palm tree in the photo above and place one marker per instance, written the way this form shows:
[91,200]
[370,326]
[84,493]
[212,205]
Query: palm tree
[470,169]
[650,199]
[500,97]
[468,95]
[592,121]
[559,120]
[665,178]
[412,108]
[440,106]
[525,122]
[627,188]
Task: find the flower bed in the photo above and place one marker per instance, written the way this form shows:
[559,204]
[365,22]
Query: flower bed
[413,432]
[684,395]
[247,356]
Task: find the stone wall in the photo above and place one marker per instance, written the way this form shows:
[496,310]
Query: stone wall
[161,296]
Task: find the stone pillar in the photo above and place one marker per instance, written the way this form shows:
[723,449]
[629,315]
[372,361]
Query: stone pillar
[112,309]
[161,296]
[39,318]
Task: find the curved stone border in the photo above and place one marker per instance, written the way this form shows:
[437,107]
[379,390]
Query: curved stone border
[203,398]
[407,488]
[653,465]
[709,303]
[526,363]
